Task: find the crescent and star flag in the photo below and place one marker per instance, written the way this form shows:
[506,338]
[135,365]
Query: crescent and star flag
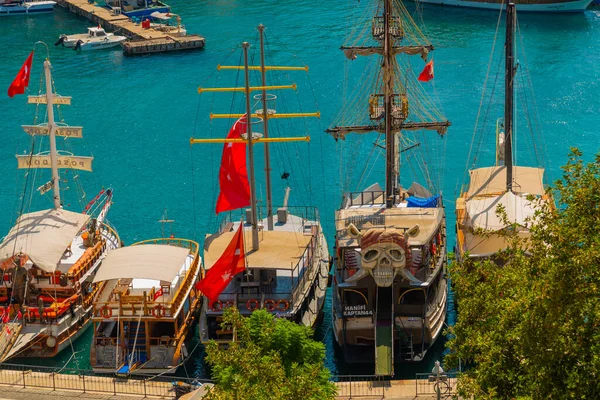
[22,79]
[427,74]
[158,293]
[233,176]
[231,262]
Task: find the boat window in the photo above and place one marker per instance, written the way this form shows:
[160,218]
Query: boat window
[100,33]
[356,297]
[413,297]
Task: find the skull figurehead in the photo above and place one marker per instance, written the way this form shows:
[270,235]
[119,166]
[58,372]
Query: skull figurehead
[385,254]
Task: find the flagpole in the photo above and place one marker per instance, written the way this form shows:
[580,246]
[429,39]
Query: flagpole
[265,114]
[254,221]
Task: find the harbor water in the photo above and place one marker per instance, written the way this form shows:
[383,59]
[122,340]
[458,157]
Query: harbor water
[138,114]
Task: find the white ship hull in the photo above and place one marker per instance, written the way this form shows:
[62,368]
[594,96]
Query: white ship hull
[27,8]
[558,6]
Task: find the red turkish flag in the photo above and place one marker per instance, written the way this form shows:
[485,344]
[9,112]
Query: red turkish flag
[233,176]
[158,293]
[22,79]
[6,318]
[227,266]
[19,315]
[427,74]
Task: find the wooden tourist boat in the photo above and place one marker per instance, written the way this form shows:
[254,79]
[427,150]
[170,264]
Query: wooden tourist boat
[286,262]
[479,228]
[390,290]
[50,257]
[145,306]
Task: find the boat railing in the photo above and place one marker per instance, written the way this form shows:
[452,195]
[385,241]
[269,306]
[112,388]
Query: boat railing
[364,198]
[306,213]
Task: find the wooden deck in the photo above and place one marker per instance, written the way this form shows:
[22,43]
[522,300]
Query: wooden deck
[143,41]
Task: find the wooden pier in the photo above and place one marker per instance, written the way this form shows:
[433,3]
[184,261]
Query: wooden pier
[142,41]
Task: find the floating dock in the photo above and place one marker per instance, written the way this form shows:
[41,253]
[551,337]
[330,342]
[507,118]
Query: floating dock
[141,40]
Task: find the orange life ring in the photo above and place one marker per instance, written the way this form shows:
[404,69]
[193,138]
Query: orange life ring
[283,305]
[159,311]
[252,304]
[270,305]
[106,312]
[217,306]
[77,286]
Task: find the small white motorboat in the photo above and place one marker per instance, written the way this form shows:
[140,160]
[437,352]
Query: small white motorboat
[19,7]
[96,39]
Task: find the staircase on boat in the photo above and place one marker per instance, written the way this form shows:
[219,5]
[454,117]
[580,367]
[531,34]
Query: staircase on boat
[384,332]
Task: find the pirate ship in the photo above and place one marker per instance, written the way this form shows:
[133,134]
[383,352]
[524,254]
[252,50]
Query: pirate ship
[50,256]
[280,262]
[389,291]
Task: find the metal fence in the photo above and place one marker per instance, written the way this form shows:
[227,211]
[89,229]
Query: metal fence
[430,384]
[357,386]
[28,376]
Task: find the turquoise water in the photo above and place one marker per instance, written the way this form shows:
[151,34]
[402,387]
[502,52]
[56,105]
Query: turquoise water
[138,113]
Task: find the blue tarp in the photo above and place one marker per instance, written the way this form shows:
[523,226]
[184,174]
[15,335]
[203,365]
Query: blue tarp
[427,202]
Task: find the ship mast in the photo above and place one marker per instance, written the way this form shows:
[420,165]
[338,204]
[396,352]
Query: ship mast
[51,129]
[254,217]
[391,180]
[509,94]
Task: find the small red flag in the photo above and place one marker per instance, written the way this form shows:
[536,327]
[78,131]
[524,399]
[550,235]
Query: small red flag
[230,263]
[22,79]
[158,293]
[427,74]
[233,176]
[19,315]
[7,329]
[5,318]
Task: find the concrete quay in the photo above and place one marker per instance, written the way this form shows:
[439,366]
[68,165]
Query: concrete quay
[142,41]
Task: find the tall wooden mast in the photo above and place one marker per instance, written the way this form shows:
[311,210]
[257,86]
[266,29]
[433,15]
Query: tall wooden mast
[509,94]
[390,153]
[52,135]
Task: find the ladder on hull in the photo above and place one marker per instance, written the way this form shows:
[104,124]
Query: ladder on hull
[384,333]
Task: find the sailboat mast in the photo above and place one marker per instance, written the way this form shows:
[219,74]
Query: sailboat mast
[52,135]
[509,94]
[265,115]
[390,154]
[254,218]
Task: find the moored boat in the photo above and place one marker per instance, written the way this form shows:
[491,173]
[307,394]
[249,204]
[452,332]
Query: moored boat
[390,290]
[284,266]
[137,9]
[50,257]
[95,39]
[20,7]
[145,306]
[537,6]
[481,231]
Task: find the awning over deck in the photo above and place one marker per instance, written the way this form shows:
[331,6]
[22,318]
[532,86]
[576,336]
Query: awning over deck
[483,212]
[43,236]
[146,261]
[492,180]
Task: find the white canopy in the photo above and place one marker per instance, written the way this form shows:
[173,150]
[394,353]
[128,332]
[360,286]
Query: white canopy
[146,261]
[483,212]
[490,180]
[159,15]
[43,236]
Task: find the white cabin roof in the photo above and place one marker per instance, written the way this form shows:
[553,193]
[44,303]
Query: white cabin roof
[158,262]
[43,236]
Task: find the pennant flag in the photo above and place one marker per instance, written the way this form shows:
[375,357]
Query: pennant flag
[19,315]
[5,318]
[233,176]
[427,74]
[22,79]
[158,293]
[227,266]
[7,329]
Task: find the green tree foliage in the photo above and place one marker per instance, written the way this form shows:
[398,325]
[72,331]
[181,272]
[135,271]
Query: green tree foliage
[529,326]
[271,359]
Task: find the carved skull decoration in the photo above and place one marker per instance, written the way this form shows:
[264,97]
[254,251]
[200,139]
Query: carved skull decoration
[385,255]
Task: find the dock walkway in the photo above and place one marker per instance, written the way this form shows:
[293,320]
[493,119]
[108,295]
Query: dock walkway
[142,41]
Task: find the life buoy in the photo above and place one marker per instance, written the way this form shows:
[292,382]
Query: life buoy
[283,305]
[228,304]
[106,312]
[77,286]
[158,312]
[252,304]
[217,306]
[270,305]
